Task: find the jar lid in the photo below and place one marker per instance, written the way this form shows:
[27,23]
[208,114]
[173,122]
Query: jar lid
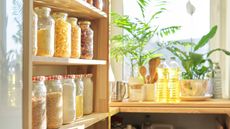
[43,9]
[59,15]
[72,19]
[79,75]
[68,76]
[88,75]
[84,22]
[38,78]
[53,77]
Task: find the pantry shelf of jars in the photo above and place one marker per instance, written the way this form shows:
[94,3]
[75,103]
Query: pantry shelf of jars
[69,64]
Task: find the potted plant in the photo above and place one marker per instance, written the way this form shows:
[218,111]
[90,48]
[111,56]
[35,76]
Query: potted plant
[196,66]
[138,32]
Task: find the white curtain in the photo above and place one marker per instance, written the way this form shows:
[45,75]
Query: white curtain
[220,15]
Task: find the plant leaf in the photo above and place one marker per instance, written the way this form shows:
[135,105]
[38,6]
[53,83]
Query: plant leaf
[204,40]
[196,58]
[218,49]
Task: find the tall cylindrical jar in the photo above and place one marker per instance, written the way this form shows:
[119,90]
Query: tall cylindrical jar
[69,99]
[86,40]
[45,33]
[54,101]
[79,95]
[39,103]
[34,33]
[75,38]
[62,35]
[88,94]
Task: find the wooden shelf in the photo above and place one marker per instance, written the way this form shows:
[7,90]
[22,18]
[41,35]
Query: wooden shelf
[209,107]
[39,60]
[78,8]
[113,111]
[86,121]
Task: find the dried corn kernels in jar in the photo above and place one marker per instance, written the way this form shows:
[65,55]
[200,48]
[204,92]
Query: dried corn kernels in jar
[86,40]
[75,38]
[62,35]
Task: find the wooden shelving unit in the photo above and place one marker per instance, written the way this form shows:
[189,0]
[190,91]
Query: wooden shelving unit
[98,66]
[86,121]
[194,107]
[78,8]
[39,60]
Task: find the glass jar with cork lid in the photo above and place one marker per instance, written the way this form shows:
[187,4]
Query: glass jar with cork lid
[86,40]
[62,35]
[45,33]
[75,38]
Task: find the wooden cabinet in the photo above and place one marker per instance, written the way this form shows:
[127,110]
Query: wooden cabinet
[36,65]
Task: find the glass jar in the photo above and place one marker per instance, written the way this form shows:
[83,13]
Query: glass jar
[39,103]
[75,38]
[54,101]
[98,4]
[45,33]
[86,40]
[62,35]
[79,95]
[90,1]
[69,99]
[34,33]
[88,94]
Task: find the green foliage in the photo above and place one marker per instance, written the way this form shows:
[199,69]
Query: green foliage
[139,31]
[196,65]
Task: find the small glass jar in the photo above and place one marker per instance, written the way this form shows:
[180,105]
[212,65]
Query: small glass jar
[45,33]
[86,40]
[90,1]
[79,95]
[62,35]
[75,38]
[39,103]
[69,99]
[34,33]
[54,101]
[88,94]
[98,4]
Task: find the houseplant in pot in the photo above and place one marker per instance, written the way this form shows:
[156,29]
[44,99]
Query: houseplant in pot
[197,66]
[133,42]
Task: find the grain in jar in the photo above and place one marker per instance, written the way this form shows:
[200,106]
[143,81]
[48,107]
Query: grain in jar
[79,95]
[39,103]
[34,33]
[45,33]
[88,94]
[75,38]
[54,101]
[62,35]
[86,40]
[69,99]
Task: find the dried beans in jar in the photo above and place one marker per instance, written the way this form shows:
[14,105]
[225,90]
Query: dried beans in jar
[86,40]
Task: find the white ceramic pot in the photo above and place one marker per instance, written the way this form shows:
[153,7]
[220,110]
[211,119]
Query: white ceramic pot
[148,91]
